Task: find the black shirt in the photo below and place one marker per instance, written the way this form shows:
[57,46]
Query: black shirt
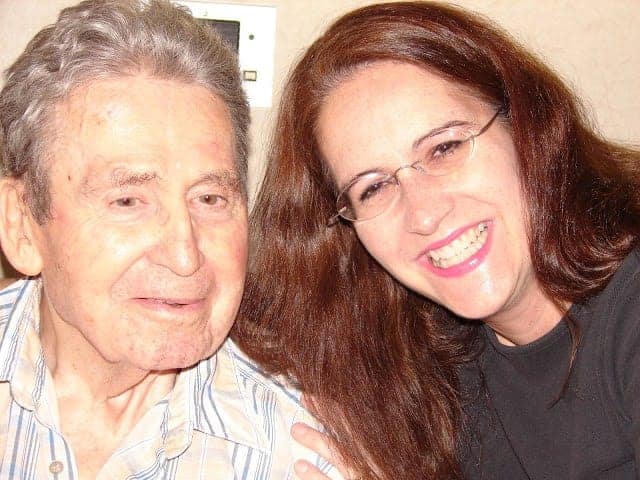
[517,431]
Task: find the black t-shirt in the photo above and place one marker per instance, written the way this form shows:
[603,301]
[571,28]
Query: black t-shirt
[593,430]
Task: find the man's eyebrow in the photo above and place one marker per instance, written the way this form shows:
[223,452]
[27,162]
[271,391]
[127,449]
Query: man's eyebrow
[119,177]
[122,177]
[224,178]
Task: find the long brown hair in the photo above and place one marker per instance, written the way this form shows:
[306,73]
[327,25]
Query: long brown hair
[382,362]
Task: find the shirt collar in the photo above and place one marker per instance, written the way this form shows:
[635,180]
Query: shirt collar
[21,358]
[213,397]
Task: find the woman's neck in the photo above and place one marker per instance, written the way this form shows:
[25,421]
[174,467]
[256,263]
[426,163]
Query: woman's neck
[527,318]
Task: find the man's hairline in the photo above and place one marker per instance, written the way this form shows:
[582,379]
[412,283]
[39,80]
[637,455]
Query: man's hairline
[48,132]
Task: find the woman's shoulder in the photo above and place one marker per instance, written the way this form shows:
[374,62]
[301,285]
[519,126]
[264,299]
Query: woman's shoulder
[621,296]
[612,336]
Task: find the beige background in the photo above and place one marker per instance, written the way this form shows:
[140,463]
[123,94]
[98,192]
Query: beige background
[593,44]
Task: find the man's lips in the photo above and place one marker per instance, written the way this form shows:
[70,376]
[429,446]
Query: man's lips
[169,302]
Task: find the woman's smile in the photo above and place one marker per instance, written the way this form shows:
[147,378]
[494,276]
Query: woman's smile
[460,252]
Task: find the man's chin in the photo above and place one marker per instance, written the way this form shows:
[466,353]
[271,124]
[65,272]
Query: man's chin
[177,358]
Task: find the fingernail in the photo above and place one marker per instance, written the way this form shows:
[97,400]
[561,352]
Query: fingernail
[299,429]
[301,466]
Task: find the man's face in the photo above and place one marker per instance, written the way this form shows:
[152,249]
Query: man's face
[145,252]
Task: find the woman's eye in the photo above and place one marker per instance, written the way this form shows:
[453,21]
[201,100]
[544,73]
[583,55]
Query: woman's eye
[373,190]
[446,148]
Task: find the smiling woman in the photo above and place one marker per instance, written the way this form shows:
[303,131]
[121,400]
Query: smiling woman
[377,120]
[446,252]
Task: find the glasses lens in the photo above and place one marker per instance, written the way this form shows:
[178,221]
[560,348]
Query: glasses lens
[445,152]
[368,196]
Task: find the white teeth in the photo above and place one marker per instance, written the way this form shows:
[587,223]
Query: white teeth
[461,248]
[458,244]
[447,252]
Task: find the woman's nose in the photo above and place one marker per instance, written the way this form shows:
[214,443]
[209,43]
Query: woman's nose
[424,201]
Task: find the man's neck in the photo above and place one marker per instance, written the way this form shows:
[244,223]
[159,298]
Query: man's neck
[95,395]
[76,366]
[82,414]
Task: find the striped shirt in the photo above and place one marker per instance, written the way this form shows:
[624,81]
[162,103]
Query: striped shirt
[223,419]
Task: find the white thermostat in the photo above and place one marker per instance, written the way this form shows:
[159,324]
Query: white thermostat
[251,31]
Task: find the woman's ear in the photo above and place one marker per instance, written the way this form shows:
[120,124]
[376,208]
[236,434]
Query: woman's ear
[16,228]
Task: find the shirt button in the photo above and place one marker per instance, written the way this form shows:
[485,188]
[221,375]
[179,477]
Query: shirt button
[56,467]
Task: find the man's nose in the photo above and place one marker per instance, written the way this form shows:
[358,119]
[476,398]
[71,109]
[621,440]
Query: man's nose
[424,201]
[178,248]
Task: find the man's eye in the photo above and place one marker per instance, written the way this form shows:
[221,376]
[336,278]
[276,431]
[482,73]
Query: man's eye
[213,200]
[126,202]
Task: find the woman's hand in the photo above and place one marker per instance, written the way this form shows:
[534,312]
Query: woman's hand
[323,446]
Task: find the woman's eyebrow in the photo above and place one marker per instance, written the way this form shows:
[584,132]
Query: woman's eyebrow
[416,144]
[438,130]
[358,175]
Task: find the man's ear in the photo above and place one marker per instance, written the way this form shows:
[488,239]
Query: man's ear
[17,228]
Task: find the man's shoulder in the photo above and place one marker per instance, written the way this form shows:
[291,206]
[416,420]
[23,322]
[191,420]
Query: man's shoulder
[251,376]
[18,321]
[11,293]
[5,282]
[233,389]
[271,396]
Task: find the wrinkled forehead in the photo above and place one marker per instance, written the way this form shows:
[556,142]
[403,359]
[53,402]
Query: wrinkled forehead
[145,124]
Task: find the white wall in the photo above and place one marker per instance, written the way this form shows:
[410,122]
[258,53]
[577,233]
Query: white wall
[591,43]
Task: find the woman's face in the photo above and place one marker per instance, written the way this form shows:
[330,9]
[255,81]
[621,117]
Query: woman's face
[459,239]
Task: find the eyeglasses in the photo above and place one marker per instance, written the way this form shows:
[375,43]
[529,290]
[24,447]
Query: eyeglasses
[372,193]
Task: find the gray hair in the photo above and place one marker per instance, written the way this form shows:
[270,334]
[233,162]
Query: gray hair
[99,39]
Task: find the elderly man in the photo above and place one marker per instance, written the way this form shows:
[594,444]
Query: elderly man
[124,152]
